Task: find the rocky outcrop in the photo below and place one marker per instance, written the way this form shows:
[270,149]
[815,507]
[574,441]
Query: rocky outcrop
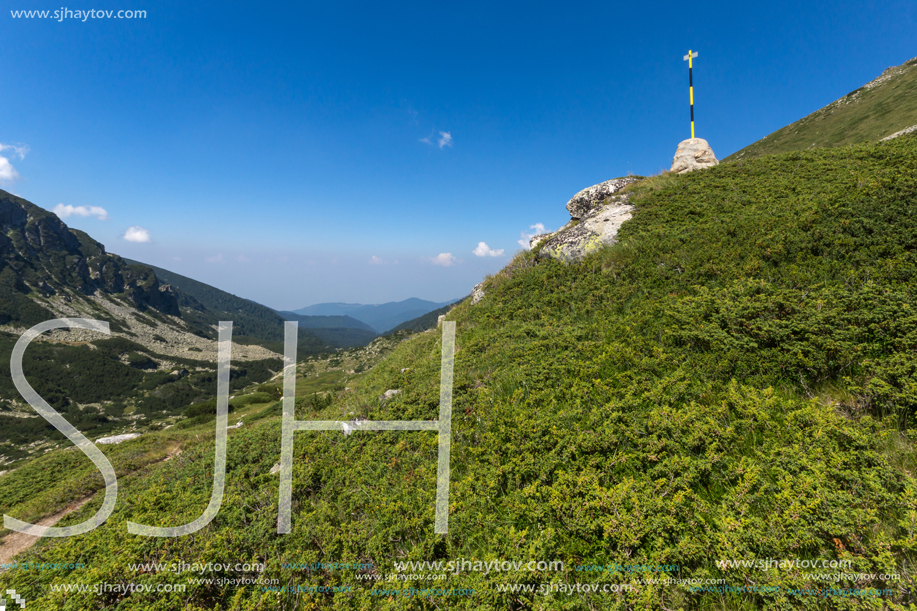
[477,293]
[596,215]
[49,256]
[596,229]
[587,200]
[693,154]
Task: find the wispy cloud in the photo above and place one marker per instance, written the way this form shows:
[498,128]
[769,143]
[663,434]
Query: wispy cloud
[445,139]
[215,259]
[137,234]
[525,236]
[242,259]
[444,258]
[483,250]
[68,210]
[374,260]
[20,150]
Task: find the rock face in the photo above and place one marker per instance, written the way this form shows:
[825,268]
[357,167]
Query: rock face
[693,154]
[37,250]
[596,215]
[584,202]
[597,228]
[477,293]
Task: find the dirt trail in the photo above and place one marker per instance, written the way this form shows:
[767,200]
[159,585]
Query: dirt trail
[16,543]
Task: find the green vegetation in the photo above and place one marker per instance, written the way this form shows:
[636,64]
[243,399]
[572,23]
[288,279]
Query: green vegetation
[15,305]
[733,380]
[115,372]
[865,115]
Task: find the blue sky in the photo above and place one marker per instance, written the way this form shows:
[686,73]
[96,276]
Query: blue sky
[344,151]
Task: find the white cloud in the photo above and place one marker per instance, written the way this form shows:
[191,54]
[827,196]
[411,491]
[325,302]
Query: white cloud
[137,234]
[374,260]
[242,259]
[68,210]
[444,258]
[525,236]
[7,172]
[483,250]
[215,259]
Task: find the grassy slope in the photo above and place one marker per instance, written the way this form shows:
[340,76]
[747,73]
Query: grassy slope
[733,380]
[865,115]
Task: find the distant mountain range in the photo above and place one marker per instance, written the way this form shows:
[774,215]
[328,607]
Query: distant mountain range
[382,317]
[422,323]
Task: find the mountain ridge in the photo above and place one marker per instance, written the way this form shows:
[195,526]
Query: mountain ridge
[885,105]
[383,317]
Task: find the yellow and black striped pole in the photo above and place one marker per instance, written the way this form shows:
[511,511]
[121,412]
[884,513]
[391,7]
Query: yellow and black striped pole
[688,58]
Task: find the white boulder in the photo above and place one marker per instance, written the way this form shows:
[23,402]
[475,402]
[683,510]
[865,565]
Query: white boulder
[693,154]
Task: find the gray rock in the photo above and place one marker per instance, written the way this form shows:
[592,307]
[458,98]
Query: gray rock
[588,199]
[477,293]
[597,229]
[535,240]
[440,319]
[906,130]
[116,439]
[693,154]
[388,394]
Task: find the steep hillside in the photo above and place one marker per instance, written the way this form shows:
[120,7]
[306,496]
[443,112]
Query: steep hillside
[732,382]
[41,258]
[253,323]
[159,358]
[876,110]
